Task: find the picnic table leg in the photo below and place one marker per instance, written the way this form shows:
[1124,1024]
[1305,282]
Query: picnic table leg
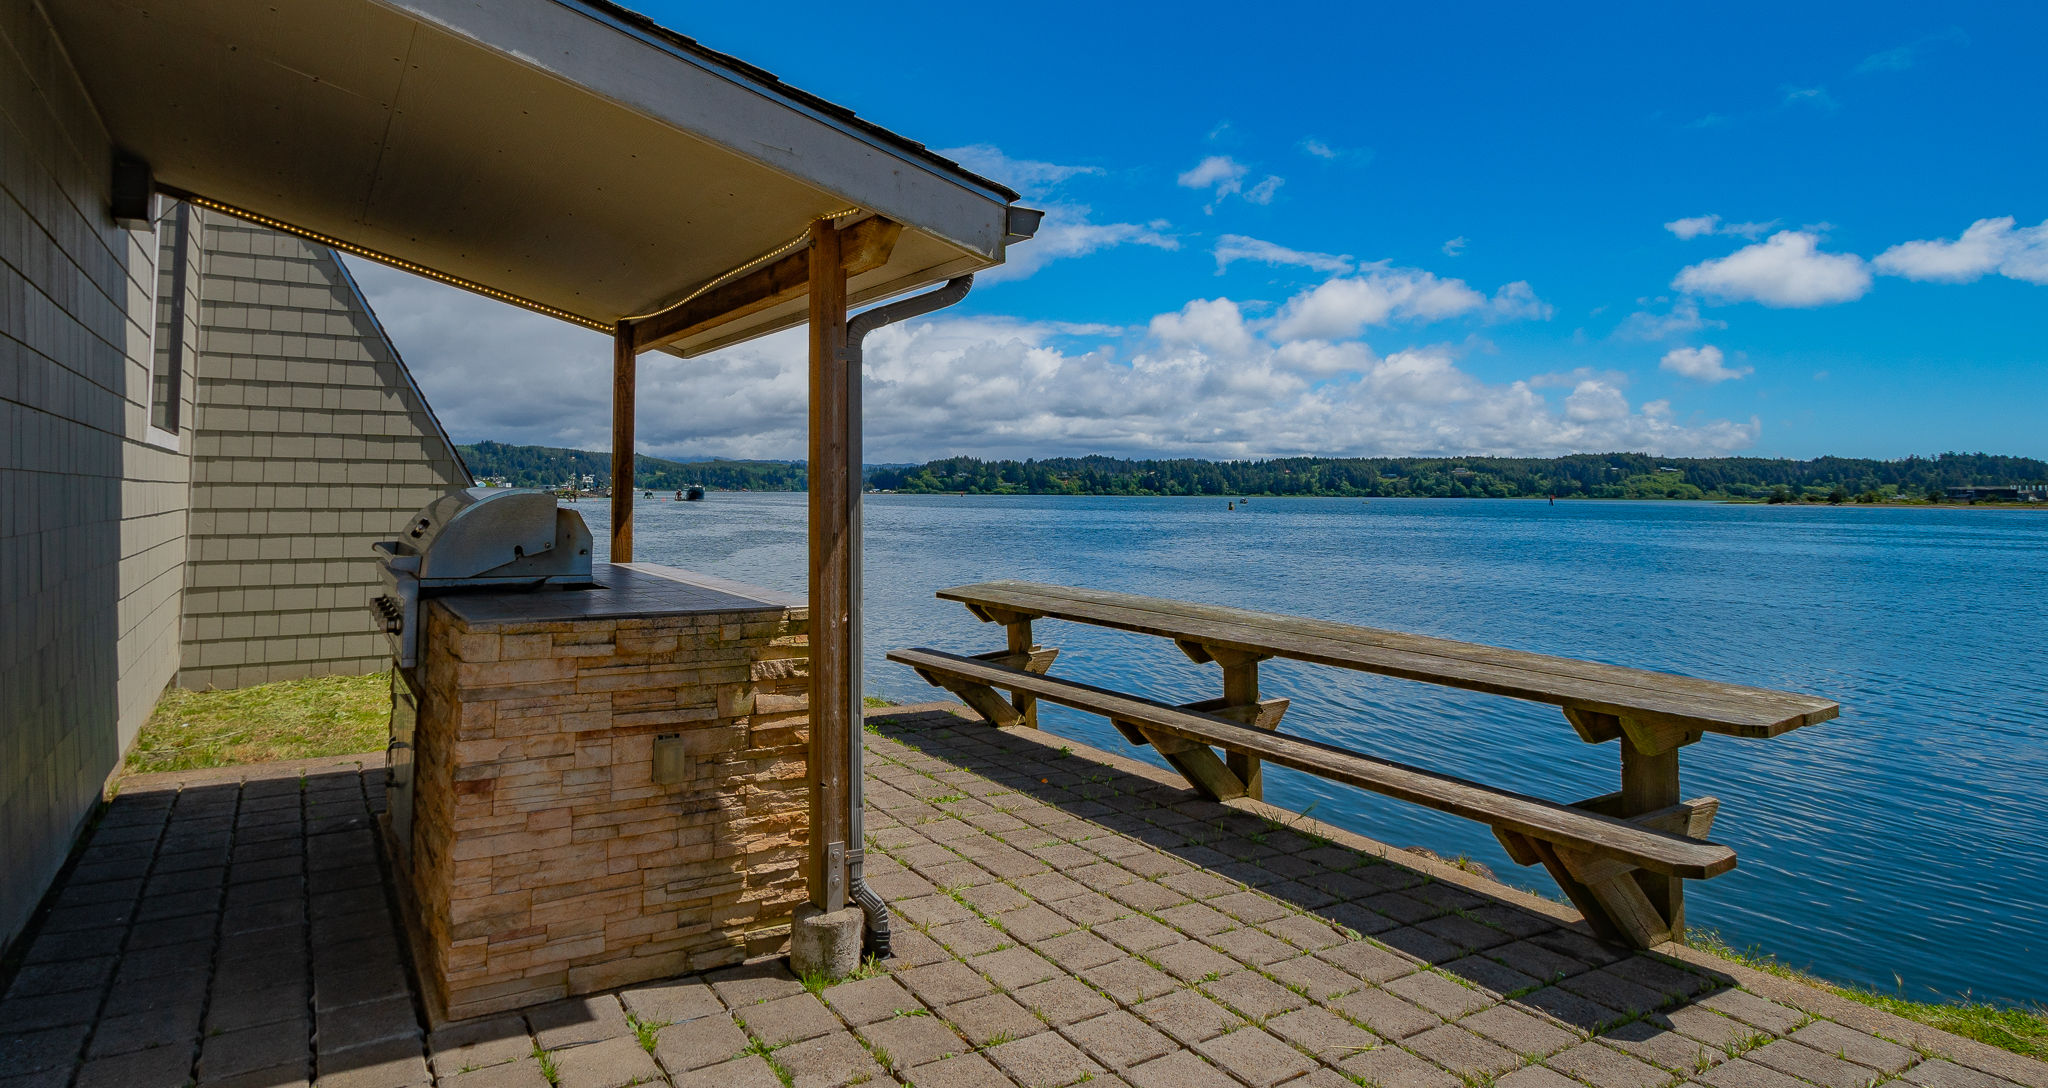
[1649,781]
[1018,635]
[1241,688]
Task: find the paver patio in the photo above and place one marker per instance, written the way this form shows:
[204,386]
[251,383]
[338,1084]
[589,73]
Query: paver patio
[1060,918]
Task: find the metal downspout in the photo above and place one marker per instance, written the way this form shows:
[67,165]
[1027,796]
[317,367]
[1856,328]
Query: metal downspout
[857,330]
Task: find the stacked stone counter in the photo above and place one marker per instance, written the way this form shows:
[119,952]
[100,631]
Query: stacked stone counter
[549,855]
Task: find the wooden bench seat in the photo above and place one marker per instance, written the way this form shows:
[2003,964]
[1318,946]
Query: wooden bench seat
[1594,856]
[1593,691]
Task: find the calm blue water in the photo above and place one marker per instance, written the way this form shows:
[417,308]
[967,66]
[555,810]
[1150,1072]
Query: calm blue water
[1901,844]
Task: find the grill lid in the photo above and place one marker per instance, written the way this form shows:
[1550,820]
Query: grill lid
[495,534]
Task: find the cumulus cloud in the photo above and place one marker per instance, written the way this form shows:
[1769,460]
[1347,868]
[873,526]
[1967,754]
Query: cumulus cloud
[1455,246]
[1986,246]
[1702,364]
[1202,380]
[1787,269]
[1698,225]
[1344,307]
[1683,317]
[1517,301]
[1232,248]
[1595,402]
[1215,325]
[1381,294]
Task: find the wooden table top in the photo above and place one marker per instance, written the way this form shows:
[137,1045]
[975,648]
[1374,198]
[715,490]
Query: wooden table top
[1683,701]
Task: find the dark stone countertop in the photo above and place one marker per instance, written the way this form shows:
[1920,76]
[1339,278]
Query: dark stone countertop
[622,590]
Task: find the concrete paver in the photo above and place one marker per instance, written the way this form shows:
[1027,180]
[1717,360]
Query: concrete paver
[1063,917]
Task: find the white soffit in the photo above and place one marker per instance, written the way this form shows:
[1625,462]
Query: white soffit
[566,152]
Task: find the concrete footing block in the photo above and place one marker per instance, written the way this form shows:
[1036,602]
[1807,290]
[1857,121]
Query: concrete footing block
[826,944]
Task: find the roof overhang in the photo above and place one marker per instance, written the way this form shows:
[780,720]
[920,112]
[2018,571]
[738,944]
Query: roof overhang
[565,152]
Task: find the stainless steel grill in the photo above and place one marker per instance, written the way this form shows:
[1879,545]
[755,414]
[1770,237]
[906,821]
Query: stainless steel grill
[484,537]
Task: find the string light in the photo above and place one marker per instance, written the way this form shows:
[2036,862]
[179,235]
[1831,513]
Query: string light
[794,243]
[397,262]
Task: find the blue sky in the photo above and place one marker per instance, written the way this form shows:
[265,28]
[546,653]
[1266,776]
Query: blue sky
[1378,230]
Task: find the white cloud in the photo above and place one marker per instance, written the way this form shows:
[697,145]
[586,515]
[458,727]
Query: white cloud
[1595,402]
[1263,192]
[1455,246]
[1344,307]
[1224,177]
[1702,364]
[1577,374]
[1695,226]
[1236,247]
[1986,246]
[1517,301]
[1318,148]
[1200,380]
[1027,176]
[1816,97]
[1786,270]
[1215,324]
[1067,231]
[1911,55]
[1684,317]
[1220,172]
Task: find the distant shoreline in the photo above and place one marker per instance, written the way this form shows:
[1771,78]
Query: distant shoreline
[1889,504]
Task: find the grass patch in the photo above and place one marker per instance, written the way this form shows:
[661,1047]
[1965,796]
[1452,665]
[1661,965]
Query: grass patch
[291,719]
[874,702]
[2020,1030]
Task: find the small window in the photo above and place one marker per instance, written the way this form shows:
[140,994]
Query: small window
[173,284]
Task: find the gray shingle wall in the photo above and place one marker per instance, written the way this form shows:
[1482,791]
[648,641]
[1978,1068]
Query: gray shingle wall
[311,442]
[92,503]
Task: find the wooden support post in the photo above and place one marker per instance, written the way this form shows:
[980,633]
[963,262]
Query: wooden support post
[625,387]
[1241,689]
[1195,762]
[1017,634]
[1649,782]
[832,576]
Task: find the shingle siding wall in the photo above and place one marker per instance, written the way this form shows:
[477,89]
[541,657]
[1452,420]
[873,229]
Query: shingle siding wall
[92,505]
[311,442]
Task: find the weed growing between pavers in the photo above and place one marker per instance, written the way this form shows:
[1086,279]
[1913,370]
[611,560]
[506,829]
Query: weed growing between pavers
[546,1061]
[645,1030]
[767,1054]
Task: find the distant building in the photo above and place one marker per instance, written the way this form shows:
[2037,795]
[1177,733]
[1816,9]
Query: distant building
[2018,493]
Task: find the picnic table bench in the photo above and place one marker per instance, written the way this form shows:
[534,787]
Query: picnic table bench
[1621,857]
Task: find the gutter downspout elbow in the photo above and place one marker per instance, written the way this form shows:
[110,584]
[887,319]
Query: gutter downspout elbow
[857,330]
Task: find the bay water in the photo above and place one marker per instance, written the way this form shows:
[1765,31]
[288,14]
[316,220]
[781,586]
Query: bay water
[1903,845]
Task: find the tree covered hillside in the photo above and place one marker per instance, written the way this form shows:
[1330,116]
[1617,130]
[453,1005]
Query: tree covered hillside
[1604,475]
[549,466]
[1587,475]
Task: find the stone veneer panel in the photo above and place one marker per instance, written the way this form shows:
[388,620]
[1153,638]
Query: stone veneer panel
[546,860]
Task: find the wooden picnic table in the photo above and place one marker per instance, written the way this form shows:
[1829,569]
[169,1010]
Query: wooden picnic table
[1652,714]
